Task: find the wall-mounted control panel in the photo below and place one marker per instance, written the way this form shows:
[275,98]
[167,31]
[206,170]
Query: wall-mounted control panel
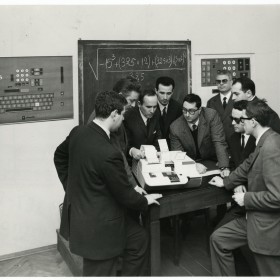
[210,67]
[35,89]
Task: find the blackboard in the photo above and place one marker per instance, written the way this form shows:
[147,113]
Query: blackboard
[103,63]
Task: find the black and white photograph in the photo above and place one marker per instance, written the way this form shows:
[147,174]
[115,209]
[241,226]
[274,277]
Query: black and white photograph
[139,139]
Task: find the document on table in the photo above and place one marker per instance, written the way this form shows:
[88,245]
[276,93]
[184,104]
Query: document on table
[211,172]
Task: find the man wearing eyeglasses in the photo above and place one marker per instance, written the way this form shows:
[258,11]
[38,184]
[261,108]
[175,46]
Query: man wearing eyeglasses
[241,146]
[199,132]
[260,227]
[223,102]
[244,89]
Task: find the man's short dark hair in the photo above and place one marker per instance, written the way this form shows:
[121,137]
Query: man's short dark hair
[260,111]
[126,85]
[193,98]
[108,101]
[240,105]
[146,92]
[226,73]
[166,81]
[246,84]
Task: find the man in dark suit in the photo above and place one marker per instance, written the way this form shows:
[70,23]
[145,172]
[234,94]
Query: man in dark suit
[99,194]
[244,89]
[199,132]
[168,109]
[130,89]
[223,102]
[241,146]
[260,228]
[141,124]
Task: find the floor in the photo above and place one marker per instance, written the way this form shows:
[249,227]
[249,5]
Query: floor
[194,259]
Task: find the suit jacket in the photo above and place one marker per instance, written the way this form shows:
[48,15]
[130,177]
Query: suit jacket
[136,130]
[174,111]
[98,193]
[238,155]
[210,137]
[274,121]
[216,104]
[262,201]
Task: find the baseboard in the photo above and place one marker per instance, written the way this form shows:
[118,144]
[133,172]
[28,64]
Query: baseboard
[27,252]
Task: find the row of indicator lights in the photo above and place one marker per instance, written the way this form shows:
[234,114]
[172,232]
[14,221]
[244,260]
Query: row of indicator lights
[207,68]
[22,80]
[229,62]
[22,70]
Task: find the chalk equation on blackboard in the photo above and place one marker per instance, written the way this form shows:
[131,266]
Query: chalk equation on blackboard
[151,59]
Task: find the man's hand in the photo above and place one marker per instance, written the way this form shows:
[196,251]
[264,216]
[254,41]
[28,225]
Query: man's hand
[201,169]
[137,154]
[225,173]
[239,198]
[152,198]
[217,181]
[140,190]
[240,189]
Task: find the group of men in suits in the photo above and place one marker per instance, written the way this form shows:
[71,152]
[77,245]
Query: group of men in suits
[211,133]
[259,226]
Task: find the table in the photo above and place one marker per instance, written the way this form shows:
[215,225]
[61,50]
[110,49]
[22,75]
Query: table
[176,202]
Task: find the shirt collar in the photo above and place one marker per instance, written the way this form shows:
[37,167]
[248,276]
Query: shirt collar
[102,126]
[161,107]
[252,98]
[143,117]
[246,137]
[259,137]
[191,124]
[225,95]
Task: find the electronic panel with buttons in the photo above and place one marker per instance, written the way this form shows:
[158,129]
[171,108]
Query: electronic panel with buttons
[210,67]
[35,89]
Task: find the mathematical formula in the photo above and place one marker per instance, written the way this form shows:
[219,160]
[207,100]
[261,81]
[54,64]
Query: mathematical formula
[116,63]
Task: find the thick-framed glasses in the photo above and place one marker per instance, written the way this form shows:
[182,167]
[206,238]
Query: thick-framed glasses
[224,81]
[190,111]
[243,119]
[237,120]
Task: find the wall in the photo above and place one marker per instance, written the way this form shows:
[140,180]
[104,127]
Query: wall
[30,191]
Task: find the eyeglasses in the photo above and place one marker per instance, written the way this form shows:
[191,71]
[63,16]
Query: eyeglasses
[243,119]
[224,81]
[190,111]
[237,120]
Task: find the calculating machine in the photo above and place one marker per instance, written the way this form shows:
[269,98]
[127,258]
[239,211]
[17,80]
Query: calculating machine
[171,170]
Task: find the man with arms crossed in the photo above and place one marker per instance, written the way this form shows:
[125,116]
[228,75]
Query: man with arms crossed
[99,194]
[260,227]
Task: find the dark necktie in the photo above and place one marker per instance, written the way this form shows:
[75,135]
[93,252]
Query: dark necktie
[164,113]
[194,134]
[225,102]
[148,123]
[242,141]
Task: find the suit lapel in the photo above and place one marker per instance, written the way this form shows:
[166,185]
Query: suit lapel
[187,135]
[140,121]
[257,150]
[218,105]
[202,127]
[228,108]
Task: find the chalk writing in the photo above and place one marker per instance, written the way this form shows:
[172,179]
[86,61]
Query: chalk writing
[172,60]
